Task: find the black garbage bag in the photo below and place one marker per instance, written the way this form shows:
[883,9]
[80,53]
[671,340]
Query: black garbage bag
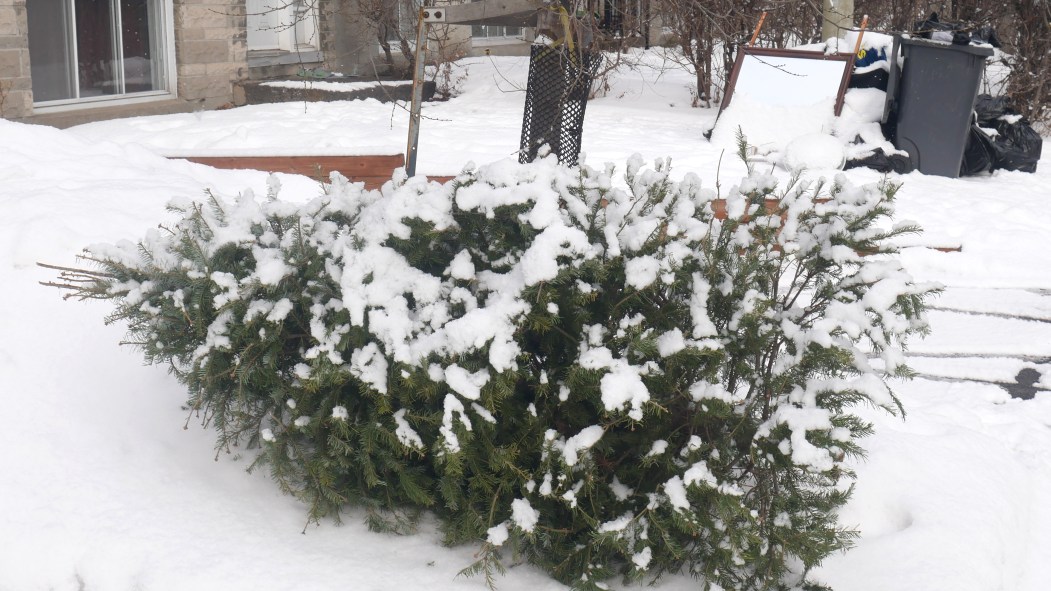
[933,28]
[956,33]
[986,34]
[876,78]
[988,109]
[979,154]
[1016,145]
[871,69]
[882,162]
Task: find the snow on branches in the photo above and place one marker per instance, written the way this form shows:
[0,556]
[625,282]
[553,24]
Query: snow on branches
[608,380]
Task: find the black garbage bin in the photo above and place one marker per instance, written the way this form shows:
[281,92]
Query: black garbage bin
[931,96]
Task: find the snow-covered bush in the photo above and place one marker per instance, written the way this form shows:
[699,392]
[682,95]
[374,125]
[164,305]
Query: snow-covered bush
[599,381]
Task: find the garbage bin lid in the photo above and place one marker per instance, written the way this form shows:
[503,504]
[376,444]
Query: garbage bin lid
[971,49]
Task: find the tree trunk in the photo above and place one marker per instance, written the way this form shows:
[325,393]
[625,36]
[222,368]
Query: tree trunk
[838,17]
[388,57]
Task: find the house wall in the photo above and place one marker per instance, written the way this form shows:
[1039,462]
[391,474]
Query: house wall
[298,42]
[347,41]
[350,45]
[16,88]
[502,46]
[449,42]
[211,50]
[212,61]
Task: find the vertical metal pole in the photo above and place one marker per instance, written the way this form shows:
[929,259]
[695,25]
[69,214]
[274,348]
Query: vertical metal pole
[417,96]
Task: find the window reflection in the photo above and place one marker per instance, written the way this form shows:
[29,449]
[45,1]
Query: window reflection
[96,55]
[83,49]
[135,37]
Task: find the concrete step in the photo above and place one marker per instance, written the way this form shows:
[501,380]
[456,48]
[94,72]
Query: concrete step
[258,92]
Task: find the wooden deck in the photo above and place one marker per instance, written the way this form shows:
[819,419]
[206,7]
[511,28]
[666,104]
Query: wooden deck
[375,170]
[372,170]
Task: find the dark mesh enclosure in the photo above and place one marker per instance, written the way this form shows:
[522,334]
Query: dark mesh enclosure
[559,81]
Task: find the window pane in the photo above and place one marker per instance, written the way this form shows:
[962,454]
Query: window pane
[139,39]
[264,31]
[495,31]
[159,48]
[96,48]
[50,51]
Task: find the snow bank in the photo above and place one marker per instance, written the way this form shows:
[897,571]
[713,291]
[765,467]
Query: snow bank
[103,489]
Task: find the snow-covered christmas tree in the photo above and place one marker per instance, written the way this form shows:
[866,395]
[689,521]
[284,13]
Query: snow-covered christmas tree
[604,378]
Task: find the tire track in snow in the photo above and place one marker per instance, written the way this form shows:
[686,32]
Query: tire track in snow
[1005,315]
[1022,388]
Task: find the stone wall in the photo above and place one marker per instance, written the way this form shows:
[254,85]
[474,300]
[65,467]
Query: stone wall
[351,47]
[211,50]
[347,41]
[16,89]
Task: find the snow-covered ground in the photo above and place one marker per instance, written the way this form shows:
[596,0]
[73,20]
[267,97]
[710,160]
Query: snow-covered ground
[101,487]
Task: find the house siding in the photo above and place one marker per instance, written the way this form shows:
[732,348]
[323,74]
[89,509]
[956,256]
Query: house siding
[16,87]
[348,43]
[212,62]
[210,41]
[211,50]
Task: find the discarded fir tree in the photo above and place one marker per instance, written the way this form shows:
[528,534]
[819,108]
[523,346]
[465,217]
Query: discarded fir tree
[601,381]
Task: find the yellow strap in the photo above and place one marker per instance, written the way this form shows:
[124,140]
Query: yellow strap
[567,28]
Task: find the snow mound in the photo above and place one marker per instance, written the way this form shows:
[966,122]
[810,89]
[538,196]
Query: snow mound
[770,128]
[814,151]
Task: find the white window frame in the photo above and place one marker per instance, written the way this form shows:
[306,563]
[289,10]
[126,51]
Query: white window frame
[300,35]
[404,27]
[491,40]
[170,71]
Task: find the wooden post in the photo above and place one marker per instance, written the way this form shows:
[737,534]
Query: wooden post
[861,34]
[758,28]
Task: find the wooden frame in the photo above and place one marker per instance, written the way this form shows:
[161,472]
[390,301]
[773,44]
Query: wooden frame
[764,52]
[373,170]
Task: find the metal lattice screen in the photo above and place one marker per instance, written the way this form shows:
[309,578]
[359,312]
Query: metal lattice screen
[556,95]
